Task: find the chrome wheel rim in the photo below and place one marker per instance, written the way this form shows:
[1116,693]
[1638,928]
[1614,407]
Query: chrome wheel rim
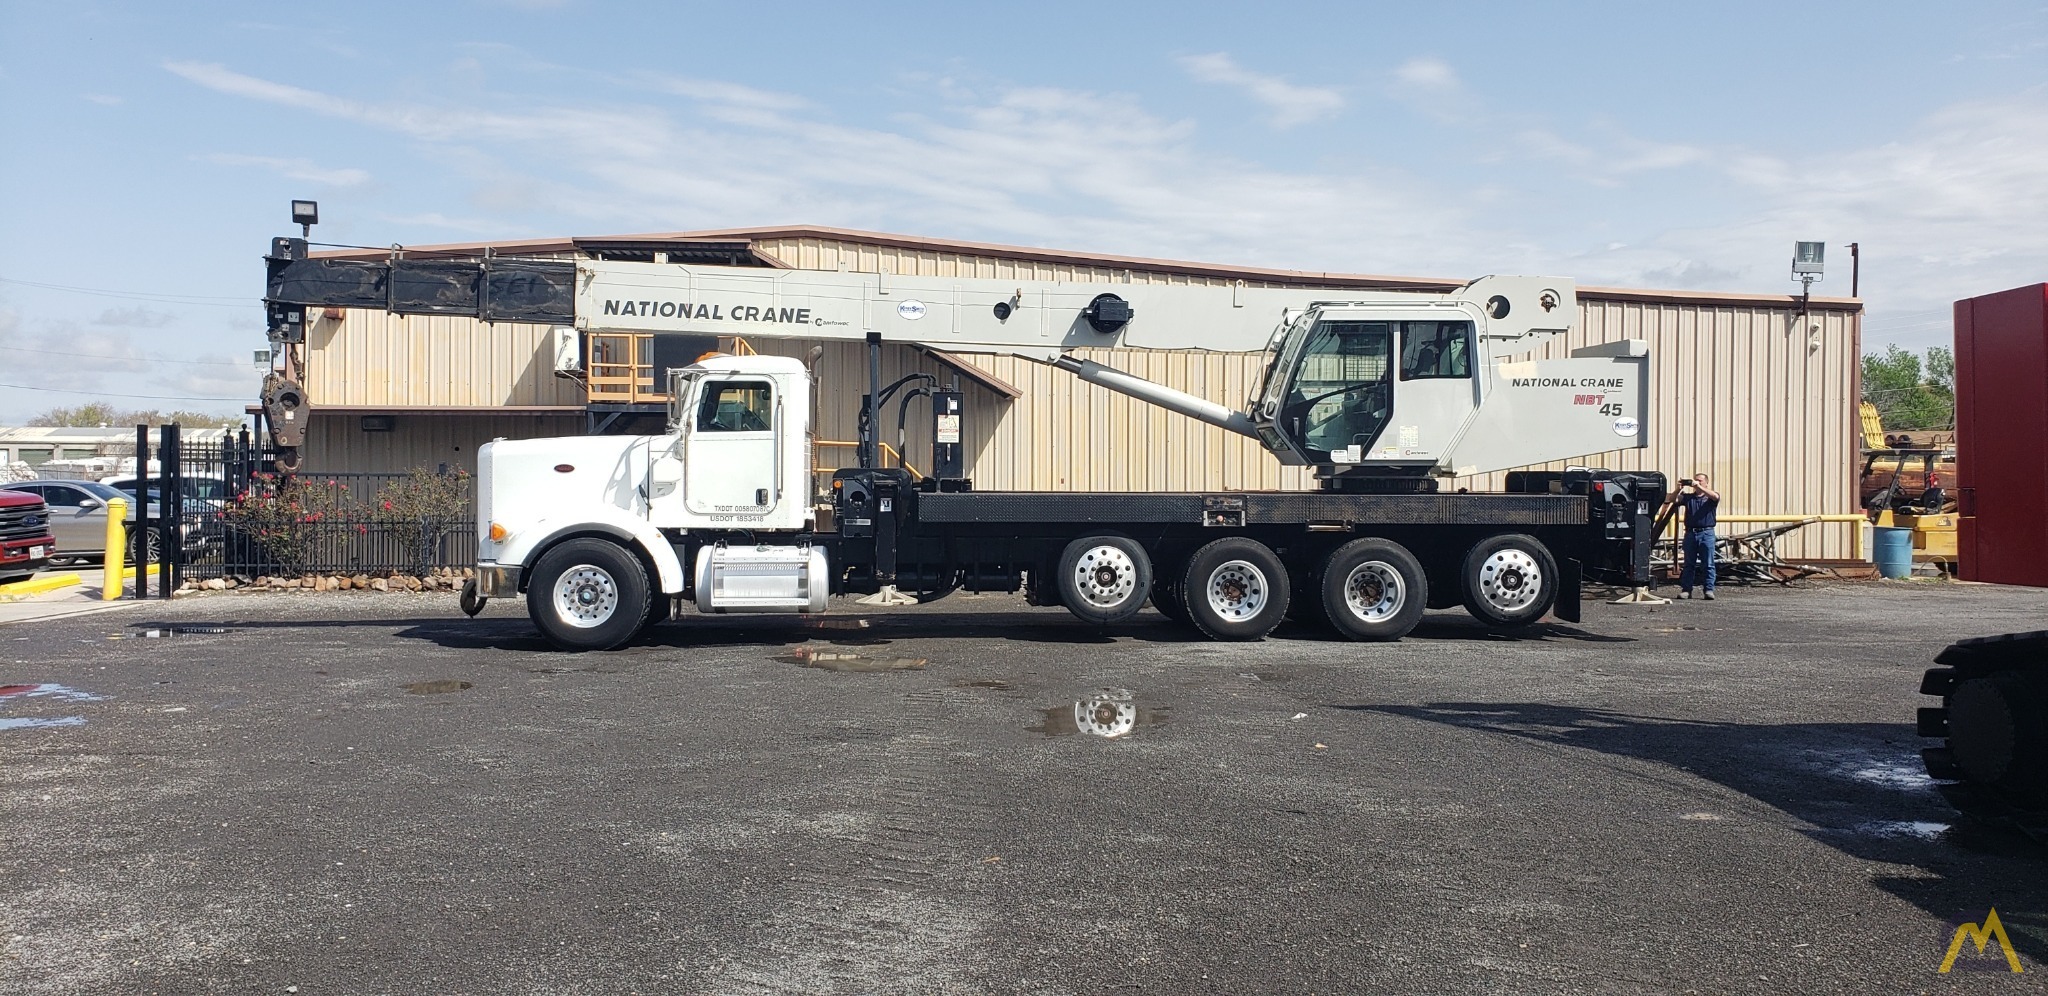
[1238,590]
[586,596]
[1510,580]
[1374,591]
[1105,576]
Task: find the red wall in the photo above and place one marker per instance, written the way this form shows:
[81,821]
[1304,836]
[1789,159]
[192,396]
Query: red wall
[2002,436]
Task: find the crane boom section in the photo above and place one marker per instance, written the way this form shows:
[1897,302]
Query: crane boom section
[1037,319]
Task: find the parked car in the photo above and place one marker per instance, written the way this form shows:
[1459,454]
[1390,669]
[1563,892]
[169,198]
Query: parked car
[25,541]
[78,519]
[196,485]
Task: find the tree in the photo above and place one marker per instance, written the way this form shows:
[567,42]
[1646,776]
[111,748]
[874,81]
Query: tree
[100,414]
[1908,396]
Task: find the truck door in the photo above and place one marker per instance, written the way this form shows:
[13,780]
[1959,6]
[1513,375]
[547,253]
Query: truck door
[1437,392]
[733,448]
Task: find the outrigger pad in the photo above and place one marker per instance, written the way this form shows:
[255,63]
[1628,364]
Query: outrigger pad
[1640,596]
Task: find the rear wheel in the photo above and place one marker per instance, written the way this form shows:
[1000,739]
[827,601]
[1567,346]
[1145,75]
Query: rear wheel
[1373,589]
[588,594]
[1104,579]
[1236,589]
[1510,580]
[1169,599]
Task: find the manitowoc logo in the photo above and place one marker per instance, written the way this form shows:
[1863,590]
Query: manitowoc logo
[1992,930]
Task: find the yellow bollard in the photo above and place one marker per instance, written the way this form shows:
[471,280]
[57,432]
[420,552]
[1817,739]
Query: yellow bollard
[114,568]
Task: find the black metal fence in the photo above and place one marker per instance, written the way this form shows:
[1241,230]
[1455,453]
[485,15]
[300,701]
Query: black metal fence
[243,517]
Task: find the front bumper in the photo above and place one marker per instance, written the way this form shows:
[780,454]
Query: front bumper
[495,581]
[26,556]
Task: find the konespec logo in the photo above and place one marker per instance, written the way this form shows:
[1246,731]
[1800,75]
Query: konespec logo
[1982,935]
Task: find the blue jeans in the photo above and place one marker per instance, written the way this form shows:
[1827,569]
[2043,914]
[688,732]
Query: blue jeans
[1699,559]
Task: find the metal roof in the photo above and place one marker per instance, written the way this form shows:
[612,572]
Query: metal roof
[731,246]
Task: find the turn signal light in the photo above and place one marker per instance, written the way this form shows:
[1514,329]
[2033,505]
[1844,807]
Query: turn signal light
[498,533]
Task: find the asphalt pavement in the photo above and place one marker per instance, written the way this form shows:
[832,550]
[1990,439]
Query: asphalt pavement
[367,793]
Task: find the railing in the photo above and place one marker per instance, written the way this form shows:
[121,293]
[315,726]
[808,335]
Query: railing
[619,367]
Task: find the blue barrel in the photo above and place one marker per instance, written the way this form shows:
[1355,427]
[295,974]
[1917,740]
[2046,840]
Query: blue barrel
[1894,554]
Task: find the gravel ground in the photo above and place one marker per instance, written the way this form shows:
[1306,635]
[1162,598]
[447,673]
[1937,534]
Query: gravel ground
[363,793]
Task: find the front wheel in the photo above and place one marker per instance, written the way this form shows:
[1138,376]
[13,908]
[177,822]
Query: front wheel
[1236,589]
[588,594]
[1373,589]
[1510,580]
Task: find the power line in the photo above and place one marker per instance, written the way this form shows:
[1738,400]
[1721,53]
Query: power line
[152,397]
[184,299]
[146,359]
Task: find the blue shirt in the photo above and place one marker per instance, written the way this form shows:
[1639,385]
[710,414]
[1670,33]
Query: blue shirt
[1699,511]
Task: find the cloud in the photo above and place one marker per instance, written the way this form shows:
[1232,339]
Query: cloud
[138,317]
[104,99]
[1945,207]
[294,169]
[1427,74]
[721,92]
[1291,104]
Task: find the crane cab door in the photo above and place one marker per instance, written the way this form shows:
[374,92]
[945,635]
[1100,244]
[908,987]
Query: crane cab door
[732,448]
[1435,392]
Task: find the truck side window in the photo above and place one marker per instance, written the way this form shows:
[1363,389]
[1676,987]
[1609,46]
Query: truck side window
[1436,350]
[736,406]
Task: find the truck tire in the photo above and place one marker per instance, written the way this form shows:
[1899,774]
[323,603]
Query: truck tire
[1510,580]
[1104,579]
[1169,600]
[1372,589]
[588,594]
[1236,589]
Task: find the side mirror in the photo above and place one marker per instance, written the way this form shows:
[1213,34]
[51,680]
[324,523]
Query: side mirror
[91,503]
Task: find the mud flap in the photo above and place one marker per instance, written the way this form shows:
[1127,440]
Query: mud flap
[1571,574]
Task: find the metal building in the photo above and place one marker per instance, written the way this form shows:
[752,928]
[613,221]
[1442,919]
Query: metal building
[1757,390]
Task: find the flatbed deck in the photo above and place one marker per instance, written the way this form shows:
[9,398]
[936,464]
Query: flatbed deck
[1251,508]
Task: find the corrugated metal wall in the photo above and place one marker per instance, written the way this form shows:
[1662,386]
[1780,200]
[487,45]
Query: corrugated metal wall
[336,442]
[421,361]
[1735,392]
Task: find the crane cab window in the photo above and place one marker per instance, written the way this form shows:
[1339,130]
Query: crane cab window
[736,406]
[1436,350]
[1341,395]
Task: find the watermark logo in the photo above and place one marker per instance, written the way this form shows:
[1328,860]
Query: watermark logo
[1982,936]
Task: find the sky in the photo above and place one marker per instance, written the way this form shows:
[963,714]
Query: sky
[149,151]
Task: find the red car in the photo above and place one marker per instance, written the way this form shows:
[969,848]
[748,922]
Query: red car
[25,540]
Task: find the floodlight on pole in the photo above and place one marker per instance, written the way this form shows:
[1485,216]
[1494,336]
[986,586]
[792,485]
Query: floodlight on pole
[1807,259]
[305,214]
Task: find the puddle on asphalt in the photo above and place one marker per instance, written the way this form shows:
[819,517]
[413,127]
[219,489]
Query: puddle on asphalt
[436,687]
[53,692]
[1109,714]
[1918,829]
[827,659]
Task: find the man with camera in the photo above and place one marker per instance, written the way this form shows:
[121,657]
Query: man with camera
[1700,503]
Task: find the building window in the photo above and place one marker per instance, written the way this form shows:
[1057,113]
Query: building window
[79,453]
[34,456]
[1436,350]
[736,406]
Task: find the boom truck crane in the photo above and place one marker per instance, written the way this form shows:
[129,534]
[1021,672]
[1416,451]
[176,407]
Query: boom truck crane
[1387,394]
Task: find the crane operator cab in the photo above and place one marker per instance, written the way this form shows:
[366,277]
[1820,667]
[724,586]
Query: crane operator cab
[1395,397]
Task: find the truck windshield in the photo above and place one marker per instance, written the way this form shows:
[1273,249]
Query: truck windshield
[1342,393]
